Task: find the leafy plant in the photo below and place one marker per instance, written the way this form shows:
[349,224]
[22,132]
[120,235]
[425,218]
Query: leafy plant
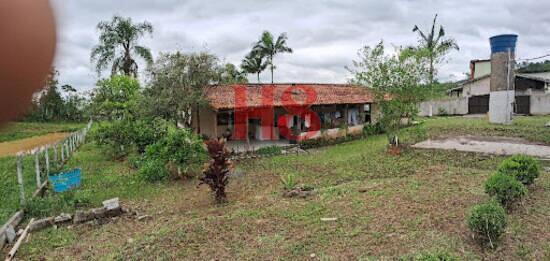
[506,189]
[524,168]
[269,150]
[180,148]
[289,181]
[216,173]
[153,170]
[373,129]
[488,221]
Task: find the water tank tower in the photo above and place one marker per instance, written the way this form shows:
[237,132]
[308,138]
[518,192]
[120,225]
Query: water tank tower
[501,98]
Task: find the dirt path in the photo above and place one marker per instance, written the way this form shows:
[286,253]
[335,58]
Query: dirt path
[12,147]
[491,145]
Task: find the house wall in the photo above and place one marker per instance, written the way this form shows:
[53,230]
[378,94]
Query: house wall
[476,88]
[207,122]
[482,68]
[540,103]
[455,106]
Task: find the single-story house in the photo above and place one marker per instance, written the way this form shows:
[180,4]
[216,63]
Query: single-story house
[532,93]
[236,111]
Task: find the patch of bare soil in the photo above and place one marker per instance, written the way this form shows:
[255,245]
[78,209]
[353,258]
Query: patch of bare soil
[490,145]
[13,147]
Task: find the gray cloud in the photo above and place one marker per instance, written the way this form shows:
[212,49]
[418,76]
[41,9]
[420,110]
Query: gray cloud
[325,35]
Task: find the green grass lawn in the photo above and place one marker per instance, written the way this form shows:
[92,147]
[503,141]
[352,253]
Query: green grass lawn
[22,130]
[386,206]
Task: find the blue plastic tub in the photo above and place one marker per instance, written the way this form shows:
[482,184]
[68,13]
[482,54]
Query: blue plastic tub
[65,181]
[503,43]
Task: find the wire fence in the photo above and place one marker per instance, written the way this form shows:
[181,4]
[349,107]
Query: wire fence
[26,175]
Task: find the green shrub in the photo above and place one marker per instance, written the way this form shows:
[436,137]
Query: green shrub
[431,256]
[321,142]
[180,149]
[372,129]
[123,135]
[506,189]
[488,221]
[524,168]
[269,150]
[153,170]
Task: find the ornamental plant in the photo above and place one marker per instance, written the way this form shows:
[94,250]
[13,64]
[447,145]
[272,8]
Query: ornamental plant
[216,172]
[505,189]
[524,168]
[488,221]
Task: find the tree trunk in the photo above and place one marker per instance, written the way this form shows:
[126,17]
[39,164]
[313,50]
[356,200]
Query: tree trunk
[258,74]
[271,67]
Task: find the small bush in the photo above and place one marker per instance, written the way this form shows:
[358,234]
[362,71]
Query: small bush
[180,149]
[288,181]
[488,221]
[321,142]
[524,168]
[372,129]
[216,173]
[431,256]
[506,189]
[153,170]
[269,150]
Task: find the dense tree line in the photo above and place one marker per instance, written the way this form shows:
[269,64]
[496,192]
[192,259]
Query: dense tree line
[53,103]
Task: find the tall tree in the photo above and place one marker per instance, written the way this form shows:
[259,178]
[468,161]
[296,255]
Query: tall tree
[269,47]
[395,80]
[434,46]
[254,63]
[231,74]
[178,85]
[118,46]
[115,98]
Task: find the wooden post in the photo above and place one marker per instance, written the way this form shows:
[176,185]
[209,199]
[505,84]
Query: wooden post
[20,179]
[62,155]
[55,155]
[47,155]
[37,167]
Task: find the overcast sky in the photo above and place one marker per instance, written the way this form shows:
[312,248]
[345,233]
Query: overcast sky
[325,35]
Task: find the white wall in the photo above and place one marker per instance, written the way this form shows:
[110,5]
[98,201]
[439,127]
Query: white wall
[476,88]
[455,106]
[540,103]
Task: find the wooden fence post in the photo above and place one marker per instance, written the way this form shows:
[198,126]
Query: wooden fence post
[20,179]
[47,155]
[62,155]
[55,155]
[37,166]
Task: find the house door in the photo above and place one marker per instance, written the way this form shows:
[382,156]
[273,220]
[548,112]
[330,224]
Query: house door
[478,104]
[523,105]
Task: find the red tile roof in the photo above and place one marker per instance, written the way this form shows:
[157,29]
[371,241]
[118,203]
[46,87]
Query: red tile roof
[223,96]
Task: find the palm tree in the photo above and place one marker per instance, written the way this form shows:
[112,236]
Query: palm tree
[118,45]
[254,63]
[269,48]
[434,46]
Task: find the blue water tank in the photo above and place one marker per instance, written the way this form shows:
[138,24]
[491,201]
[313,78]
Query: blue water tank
[503,43]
